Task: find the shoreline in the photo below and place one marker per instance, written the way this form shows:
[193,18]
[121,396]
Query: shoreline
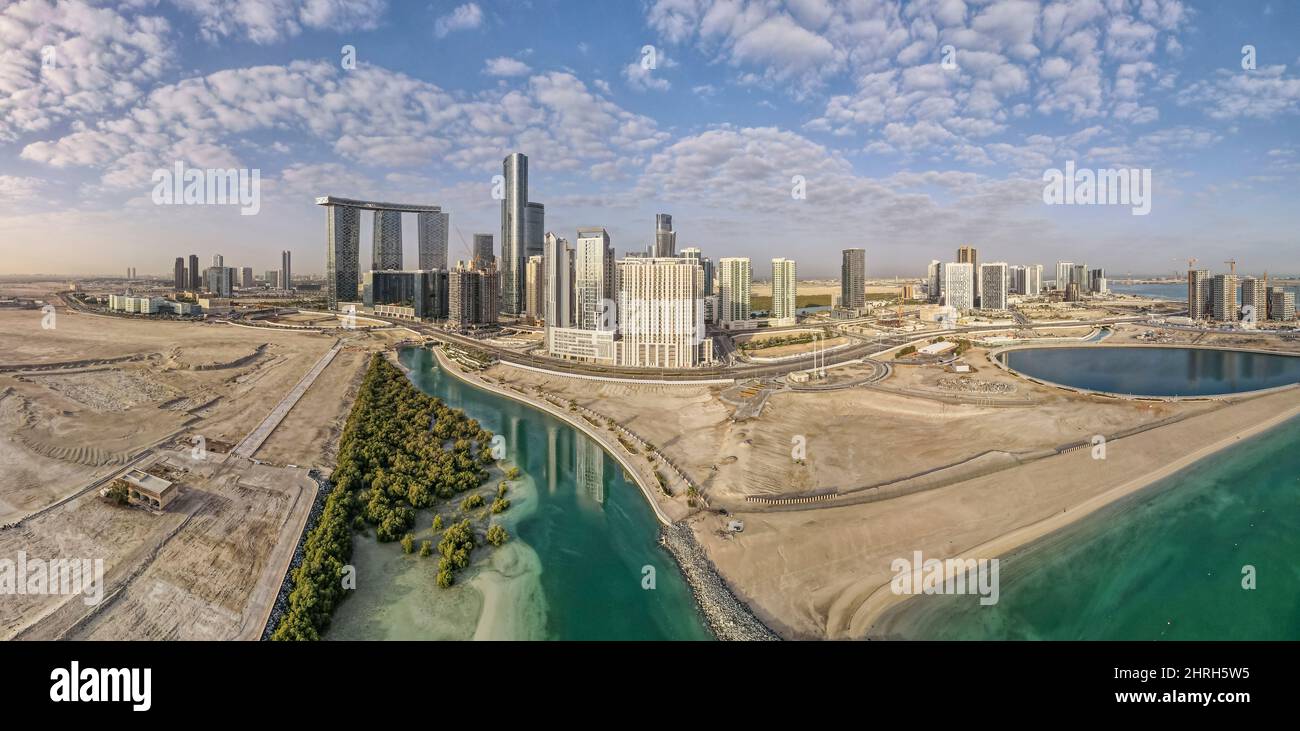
[726,616]
[882,604]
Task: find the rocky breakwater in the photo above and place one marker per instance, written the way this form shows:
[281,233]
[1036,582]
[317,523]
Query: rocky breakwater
[727,616]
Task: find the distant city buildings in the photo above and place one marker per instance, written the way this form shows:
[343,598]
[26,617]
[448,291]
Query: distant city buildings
[180,274]
[969,255]
[420,294]
[343,243]
[196,277]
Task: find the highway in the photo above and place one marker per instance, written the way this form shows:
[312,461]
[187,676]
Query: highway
[738,372]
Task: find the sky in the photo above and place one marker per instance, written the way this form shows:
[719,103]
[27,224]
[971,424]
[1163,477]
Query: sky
[765,128]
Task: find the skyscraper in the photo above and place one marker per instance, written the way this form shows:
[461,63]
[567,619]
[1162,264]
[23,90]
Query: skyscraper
[993,278]
[514,202]
[1064,270]
[705,263]
[969,255]
[472,296]
[534,228]
[558,262]
[386,248]
[483,258]
[180,273]
[342,253]
[593,277]
[1016,279]
[1097,281]
[665,244]
[218,260]
[286,270]
[661,313]
[853,279]
[196,277]
[1223,295]
[431,239]
[734,283]
[1033,279]
[934,280]
[784,285]
[1199,295]
[535,282]
[246,278]
[1254,294]
[958,286]
[1281,304]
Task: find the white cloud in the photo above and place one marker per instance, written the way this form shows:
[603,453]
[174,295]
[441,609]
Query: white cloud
[505,66]
[269,21]
[465,17]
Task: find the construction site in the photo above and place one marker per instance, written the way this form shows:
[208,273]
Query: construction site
[209,435]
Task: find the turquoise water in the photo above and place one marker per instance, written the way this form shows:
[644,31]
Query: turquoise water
[1157,371]
[582,537]
[1174,292]
[1165,564]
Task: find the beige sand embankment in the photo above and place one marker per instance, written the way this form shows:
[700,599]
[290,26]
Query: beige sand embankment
[817,573]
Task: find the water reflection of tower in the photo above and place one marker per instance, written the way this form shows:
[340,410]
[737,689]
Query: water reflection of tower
[552,469]
[589,468]
[512,449]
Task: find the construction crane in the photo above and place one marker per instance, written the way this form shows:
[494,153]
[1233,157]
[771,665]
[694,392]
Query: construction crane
[1232,266]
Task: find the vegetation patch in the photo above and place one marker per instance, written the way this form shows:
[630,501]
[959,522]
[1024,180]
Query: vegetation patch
[400,451]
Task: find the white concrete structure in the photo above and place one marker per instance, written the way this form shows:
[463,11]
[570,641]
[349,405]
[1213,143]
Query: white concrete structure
[592,346]
[661,313]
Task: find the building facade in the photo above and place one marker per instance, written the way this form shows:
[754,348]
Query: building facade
[734,286]
[784,286]
[958,286]
[1223,293]
[1199,294]
[514,202]
[853,279]
[661,313]
[431,231]
[993,286]
[593,277]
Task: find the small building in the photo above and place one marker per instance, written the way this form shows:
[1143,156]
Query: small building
[149,490]
[939,348]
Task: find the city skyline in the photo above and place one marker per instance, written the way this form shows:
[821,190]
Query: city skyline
[897,153]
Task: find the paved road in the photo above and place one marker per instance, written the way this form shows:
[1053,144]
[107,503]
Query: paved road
[251,443]
[737,372]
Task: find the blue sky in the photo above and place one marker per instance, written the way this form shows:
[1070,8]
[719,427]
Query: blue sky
[901,154]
